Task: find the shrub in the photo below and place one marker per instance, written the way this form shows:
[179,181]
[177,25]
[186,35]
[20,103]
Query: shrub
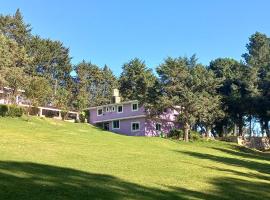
[87,115]
[176,134]
[3,110]
[82,117]
[64,115]
[14,111]
[193,135]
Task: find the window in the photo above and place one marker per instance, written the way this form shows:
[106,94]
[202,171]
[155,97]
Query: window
[107,109]
[134,106]
[99,111]
[120,109]
[113,108]
[116,124]
[135,126]
[158,126]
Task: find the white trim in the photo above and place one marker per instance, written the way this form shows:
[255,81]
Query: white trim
[132,126]
[99,108]
[122,108]
[107,109]
[113,108]
[120,118]
[132,106]
[113,104]
[113,128]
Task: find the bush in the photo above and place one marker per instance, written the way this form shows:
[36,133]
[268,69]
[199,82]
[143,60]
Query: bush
[176,134]
[14,111]
[82,117]
[3,110]
[64,115]
[194,136]
[87,115]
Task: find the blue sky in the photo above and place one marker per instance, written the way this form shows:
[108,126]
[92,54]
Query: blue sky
[113,32]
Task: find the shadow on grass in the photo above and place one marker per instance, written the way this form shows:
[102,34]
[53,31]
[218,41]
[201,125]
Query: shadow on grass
[245,152]
[25,180]
[239,188]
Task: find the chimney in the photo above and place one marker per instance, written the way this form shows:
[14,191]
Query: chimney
[116,98]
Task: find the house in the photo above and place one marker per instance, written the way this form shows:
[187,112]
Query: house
[42,111]
[130,118]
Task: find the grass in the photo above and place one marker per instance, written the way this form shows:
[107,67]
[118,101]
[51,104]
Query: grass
[47,159]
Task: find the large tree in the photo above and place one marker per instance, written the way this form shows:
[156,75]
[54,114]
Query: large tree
[94,85]
[38,91]
[258,60]
[14,27]
[186,89]
[136,80]
[13,61]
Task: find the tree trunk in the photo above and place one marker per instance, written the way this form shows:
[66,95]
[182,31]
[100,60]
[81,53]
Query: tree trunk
[186,131]
[266,127]
[235,129]
[262,126]
[250,125]
[208,131]
[240,128]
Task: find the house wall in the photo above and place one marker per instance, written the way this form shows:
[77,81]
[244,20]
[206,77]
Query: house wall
[125,127]
[147,126]
[166,127]
[127,112]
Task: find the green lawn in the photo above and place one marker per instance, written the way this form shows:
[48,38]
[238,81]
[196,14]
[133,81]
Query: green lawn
[47,159]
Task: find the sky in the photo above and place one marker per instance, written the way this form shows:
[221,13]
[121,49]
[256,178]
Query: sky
[113,32]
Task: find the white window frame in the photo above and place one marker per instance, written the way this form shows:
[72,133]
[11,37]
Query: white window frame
[132,126]
[107,109]
[99,108]
[113,126]
[122,108]
[132,107]
[160,126]
[113,109]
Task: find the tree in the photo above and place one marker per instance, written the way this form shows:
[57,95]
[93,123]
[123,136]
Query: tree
[136,80]
[14,28]
[62,101]
[234,91]
[93,85]
[38,91]
[258,60]
[185,88]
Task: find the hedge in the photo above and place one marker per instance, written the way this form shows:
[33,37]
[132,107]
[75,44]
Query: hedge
[11,111]
[3,110]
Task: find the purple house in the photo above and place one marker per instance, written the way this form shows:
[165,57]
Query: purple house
[129,118]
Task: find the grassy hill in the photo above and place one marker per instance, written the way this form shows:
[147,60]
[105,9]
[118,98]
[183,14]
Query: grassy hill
[47,159]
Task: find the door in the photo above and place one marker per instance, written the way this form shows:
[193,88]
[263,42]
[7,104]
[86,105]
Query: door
[106,126]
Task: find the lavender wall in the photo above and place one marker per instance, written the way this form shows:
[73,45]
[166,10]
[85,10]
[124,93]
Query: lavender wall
[125,127]
[166,127]
[147,126]
[127,112]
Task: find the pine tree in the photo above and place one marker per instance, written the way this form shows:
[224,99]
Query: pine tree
[135,81]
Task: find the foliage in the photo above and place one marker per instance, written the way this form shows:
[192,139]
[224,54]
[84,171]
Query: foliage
[82,117]
[93,85]
[186,88]
[135,81]
[38,91]
[11,111]
[3,110]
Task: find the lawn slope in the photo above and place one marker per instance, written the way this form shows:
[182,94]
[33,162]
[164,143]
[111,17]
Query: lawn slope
[48,159]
